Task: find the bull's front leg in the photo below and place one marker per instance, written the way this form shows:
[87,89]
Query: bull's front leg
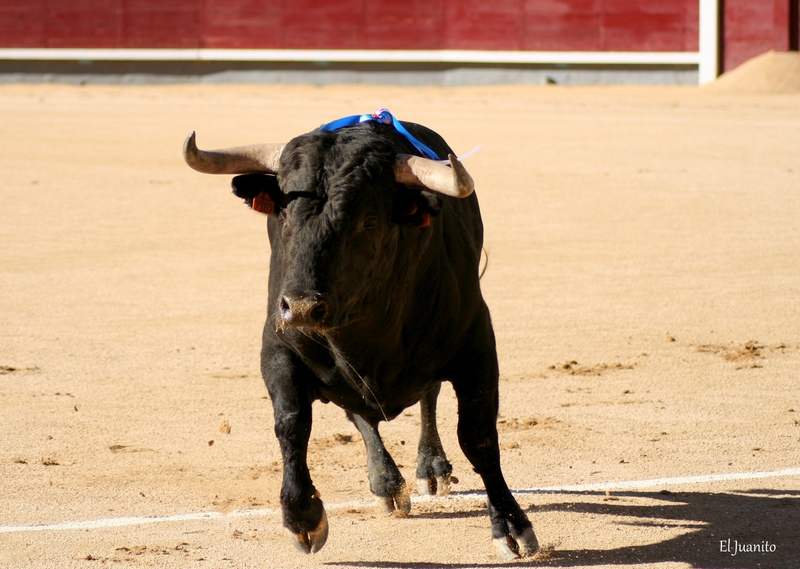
[433,468]
[385,480]
[512,533]
[303,512]
[478,403]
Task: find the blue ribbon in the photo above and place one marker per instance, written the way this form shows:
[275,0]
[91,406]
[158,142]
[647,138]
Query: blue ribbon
[382,116]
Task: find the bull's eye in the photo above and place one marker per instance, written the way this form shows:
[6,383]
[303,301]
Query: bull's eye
[370,223]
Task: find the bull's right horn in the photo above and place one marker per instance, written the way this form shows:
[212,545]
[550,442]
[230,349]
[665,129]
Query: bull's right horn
[253,159]
[453,180]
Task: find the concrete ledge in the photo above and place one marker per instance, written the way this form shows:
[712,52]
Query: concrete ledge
[323,73]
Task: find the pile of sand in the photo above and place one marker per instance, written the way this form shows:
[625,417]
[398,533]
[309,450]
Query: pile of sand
[770,72]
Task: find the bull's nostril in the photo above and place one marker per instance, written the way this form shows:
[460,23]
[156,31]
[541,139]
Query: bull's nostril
[303,310]
[286,309]
[319,312]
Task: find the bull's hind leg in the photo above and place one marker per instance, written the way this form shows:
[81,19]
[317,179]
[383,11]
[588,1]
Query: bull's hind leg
[433,469]
[385,480]
[478,402]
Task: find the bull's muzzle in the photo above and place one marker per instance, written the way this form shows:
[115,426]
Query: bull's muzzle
[303,310]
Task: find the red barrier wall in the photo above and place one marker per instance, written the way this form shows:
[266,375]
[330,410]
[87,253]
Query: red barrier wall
[750,27]
[549,25]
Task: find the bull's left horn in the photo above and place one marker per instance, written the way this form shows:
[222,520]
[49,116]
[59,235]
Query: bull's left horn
[256,158]
[453,180]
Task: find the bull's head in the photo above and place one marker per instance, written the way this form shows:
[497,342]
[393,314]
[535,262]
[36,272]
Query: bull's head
[330,266]
[453,180]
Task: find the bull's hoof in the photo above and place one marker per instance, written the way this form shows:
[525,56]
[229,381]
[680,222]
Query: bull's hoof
[398,504]
[434,474]
[312,541]
[513,547]
[437,485]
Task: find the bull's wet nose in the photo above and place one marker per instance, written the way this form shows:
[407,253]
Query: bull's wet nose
[303,310]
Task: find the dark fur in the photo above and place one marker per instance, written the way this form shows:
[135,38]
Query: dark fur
[400,311]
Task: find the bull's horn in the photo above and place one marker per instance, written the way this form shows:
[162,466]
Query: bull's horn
[256,158]
[452,181]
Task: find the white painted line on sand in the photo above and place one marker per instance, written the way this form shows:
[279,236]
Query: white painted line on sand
[265,512]
[656,482]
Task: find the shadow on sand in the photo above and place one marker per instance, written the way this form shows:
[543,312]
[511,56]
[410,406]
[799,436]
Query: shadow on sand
[716,524]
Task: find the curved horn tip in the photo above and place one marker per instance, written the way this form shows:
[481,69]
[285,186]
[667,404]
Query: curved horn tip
[190,144]
[463,181]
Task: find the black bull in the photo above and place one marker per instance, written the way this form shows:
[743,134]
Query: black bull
[374,300]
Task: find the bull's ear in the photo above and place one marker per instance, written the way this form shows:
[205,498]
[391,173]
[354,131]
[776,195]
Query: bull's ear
[414,208]
[259,191]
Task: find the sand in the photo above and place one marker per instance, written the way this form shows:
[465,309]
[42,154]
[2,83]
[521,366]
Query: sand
[770,72]
[644,280]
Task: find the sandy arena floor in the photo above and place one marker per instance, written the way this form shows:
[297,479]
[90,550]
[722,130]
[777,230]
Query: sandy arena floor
[644,279]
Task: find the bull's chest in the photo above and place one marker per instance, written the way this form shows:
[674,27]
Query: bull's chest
[373,383]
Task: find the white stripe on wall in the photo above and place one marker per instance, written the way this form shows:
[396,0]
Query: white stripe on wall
[357,55]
